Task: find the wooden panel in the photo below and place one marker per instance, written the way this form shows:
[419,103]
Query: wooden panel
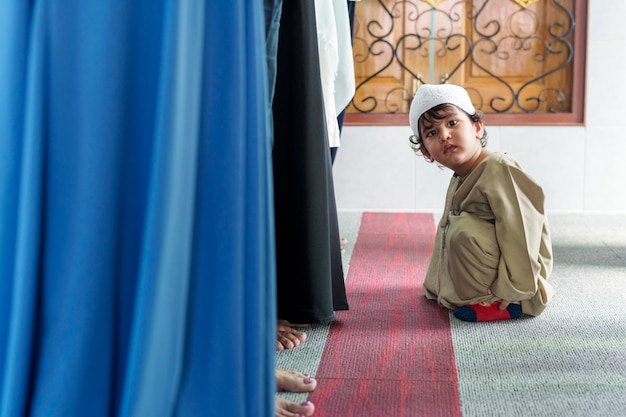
[512,60]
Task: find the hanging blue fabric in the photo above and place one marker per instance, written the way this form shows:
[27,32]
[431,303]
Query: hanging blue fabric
[136,231]
[21,189]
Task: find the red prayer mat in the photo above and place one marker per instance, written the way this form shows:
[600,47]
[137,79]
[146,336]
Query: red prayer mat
[391,354]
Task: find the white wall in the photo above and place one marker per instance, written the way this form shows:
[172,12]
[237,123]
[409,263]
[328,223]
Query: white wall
[580,167]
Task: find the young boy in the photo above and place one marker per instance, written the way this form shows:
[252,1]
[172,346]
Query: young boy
[492,253]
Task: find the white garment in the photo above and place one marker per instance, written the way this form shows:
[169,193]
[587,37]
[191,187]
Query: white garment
[336,62]
[344,82]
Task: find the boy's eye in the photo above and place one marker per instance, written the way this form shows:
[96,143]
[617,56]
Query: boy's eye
[431,133]
[452,123]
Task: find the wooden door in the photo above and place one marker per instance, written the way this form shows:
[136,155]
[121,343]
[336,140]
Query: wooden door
[513,60]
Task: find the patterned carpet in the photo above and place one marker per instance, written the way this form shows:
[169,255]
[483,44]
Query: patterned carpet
[396,354]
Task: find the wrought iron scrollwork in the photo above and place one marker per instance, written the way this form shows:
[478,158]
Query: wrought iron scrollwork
[484,40]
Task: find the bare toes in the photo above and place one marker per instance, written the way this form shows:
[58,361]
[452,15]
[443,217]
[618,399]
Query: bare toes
[284,408]
[287,336]
[294,381]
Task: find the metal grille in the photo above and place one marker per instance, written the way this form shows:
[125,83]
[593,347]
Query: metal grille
[511,58]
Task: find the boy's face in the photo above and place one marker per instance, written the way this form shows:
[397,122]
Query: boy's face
[453,141]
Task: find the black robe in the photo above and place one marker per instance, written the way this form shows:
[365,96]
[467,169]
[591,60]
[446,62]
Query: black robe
[310,281]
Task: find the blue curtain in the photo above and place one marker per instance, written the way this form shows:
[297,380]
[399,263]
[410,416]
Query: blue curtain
[137,249]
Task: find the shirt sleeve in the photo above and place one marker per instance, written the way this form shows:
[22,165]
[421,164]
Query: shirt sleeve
[521,229]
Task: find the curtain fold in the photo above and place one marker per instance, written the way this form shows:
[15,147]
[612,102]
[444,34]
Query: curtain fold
[136,237]
[21,188]
[158,333]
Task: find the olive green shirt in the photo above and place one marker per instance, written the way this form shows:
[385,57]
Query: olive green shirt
[493,240]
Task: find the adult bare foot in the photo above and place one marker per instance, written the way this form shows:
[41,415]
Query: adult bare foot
[284,408]
[293,381]
[343,242]
[287,336]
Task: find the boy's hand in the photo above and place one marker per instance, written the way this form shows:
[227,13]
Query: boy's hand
[503,303]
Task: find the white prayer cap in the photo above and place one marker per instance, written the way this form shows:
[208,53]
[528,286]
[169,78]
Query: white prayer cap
[430,95]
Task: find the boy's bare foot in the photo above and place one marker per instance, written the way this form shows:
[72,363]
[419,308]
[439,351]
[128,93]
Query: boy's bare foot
[284,408]
[293,381]
[287,337]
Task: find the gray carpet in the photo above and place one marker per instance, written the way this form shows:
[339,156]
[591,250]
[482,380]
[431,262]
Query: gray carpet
[570,361]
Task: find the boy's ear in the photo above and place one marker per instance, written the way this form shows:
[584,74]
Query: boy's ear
[479,129]
[425,152]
